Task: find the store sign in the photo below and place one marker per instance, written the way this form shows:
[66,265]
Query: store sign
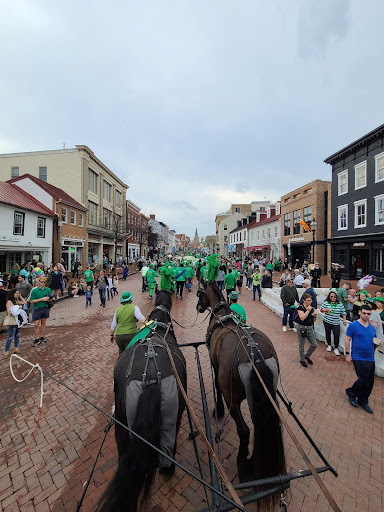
[4,238]
[296,239]
[73,243]
[94,237]
[359,244]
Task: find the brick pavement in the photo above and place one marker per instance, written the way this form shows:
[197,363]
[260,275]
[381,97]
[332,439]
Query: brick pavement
[51,476]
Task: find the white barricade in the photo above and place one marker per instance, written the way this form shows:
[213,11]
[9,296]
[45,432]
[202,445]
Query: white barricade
[270,297]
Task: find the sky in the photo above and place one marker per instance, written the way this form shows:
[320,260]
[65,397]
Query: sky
[194,104]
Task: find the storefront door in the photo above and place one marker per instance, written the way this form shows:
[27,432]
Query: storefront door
[359,263]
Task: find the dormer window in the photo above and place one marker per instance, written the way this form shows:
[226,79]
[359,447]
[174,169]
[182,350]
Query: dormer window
[268,213]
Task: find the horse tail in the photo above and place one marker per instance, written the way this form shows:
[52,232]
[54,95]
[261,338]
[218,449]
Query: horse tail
[268,458]
[137,466]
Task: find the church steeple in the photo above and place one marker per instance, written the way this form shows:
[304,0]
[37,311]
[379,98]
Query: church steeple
[196,239]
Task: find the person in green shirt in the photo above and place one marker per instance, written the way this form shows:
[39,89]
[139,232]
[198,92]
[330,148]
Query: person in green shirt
[180,281]
[342,296]
[270,267]
[150,277]
[237,308]
[89,277]
[230,281]
[124,323]
[189,276]
[203,272]
[256,280]
[40,297]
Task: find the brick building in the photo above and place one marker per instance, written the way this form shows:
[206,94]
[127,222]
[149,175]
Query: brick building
[309,203]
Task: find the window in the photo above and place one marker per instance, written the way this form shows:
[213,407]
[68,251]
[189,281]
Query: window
[15,172]
[296,222]
[43,173]
[269,233]
[107,217]
[92,178]
[258,236]
[342,217]
[342,183]
[379,209]
[237,209]
[275,231]
[361,175]
[64,214]
[262,208]
[225,227]
[277,208]
[40,227]
[287,224]
[308,215]
[378,260]
[240,236]
[245,235]
[18,223]
[92,213]
[252,236]
[81,220]
[379,167]
[263,234]
[107,191]
[360,213]
[73,217]
[118,199]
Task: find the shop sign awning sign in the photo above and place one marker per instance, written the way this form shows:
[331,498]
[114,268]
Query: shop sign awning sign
[359,244]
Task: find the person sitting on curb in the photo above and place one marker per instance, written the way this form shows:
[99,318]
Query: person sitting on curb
[237,308]
[124,323]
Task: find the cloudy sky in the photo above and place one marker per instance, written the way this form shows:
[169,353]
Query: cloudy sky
[195,104]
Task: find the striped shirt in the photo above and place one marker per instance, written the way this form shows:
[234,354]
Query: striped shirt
[337,310]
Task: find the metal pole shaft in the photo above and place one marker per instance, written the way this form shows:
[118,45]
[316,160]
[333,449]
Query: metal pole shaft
[212,467]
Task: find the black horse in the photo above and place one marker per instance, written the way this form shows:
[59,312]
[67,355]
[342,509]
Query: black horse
[231,345]
[148,400]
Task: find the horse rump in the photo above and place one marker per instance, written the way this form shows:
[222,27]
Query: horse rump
[137,466]
[268,457]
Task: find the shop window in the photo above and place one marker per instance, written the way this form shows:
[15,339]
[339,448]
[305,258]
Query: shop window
[18,223]
[342,217]
[15,172]
[287,224]
[379,167]
[43,174]
[342,183]
[81,220]
[92,178]
[361,175]
[73,217]
[379,210]
[40,227]
[64,214]
[360,213]
[378,260]
[296,222]
[341,257]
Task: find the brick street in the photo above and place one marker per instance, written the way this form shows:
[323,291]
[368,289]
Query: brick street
[51,476]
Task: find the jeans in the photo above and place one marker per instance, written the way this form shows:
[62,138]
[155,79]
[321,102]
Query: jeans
[361,389]
[88,301]
[249,282]
[188,283]
[220,284]
[109,292]
[179,288]
[13,334]
[102,295]
[306,332]
[288,312]
[256,287]
[336,333]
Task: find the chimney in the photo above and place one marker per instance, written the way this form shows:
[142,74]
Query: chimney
[152,216]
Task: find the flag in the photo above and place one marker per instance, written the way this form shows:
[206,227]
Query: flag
[305,225]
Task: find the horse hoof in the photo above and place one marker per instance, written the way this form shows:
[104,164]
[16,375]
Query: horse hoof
[167,471]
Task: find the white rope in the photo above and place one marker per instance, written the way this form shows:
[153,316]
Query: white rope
[28,374]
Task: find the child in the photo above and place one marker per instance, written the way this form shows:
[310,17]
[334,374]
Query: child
[115,284]
[88,296]
[110,286]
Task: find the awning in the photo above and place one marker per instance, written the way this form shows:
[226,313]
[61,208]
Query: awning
[257,248]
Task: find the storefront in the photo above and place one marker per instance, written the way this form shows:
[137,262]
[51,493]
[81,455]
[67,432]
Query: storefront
[133,251]
[71,249]
[11,254]
[257,251]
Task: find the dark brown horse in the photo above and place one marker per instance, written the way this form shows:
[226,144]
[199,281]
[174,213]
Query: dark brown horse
[230,345]
[148,401]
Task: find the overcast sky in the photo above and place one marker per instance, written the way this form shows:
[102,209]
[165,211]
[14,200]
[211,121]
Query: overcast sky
[195,104]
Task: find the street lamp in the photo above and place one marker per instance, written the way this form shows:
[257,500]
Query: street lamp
[313,229]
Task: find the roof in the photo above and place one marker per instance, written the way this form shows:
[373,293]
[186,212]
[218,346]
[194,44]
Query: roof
[272,218]
[15,196]
[55,192]
[377,132]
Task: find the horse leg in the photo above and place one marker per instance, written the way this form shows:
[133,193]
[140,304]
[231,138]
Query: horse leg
[243,433]
[219,399]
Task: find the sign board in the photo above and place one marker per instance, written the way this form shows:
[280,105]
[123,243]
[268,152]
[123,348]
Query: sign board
[74,243]
[359,244]
[4,238]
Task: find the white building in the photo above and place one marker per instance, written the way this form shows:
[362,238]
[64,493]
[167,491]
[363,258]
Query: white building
[159,229]
[264,234]
[26,228]
[225,227]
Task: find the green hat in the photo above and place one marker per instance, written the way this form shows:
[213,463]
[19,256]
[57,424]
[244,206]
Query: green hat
[380,299]
[369,299]
[233,295]
[363,291]
[126,297]
[151,265]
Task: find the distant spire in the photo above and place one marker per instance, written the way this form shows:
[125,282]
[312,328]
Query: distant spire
[196,235]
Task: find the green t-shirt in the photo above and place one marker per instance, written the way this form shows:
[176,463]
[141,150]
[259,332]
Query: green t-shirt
[38,293]
[342,295]
[230,281]
[151,275]
[189,272]
[240,311]
[183,276]
[256,278]
[203,272]
[88,274]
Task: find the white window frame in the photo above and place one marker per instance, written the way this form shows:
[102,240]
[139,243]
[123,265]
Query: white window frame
[21,216]
[81,220]
[361,165]
[340,174]
[377,199]
[73,212]
[339,209]
[357,204]
[258,236]
[380,155]
[42,221]
[66,215]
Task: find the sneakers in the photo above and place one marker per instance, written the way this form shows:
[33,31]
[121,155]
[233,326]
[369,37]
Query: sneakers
[329,348]
[352,399]
[6,354]
[43,340]
[304,364]
[36,342]
[309,361]
[336,352]
[364,406]
[284,328]
[17,351]
[293,329]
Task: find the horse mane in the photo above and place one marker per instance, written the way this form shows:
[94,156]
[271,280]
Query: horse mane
[163,298]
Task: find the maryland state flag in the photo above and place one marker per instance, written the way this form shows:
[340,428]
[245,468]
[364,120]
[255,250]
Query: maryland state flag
[305,225]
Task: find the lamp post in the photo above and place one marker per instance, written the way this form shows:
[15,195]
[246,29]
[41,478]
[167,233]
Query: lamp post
[313,229]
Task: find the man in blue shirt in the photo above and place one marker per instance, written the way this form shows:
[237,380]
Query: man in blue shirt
[360,350]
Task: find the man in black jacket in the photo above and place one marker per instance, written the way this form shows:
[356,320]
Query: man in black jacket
[315,274]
